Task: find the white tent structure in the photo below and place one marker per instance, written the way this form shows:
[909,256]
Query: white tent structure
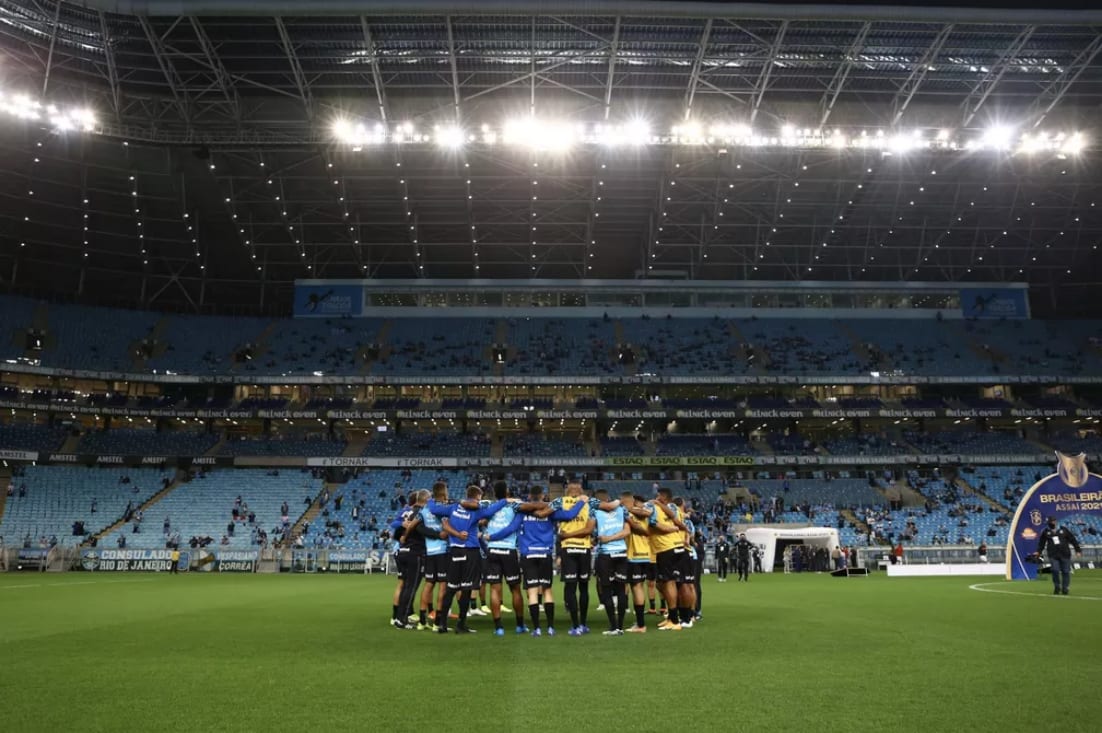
[766,539]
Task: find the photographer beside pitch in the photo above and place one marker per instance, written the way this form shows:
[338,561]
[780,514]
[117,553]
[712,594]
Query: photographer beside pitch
[1059,541]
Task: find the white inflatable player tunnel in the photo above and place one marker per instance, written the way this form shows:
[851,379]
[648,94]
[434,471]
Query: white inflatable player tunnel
[766,539]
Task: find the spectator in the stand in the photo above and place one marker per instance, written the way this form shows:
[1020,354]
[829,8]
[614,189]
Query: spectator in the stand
[229,530]
[22,491]
[225,540]
[167,528]
[121,542]
[94,503]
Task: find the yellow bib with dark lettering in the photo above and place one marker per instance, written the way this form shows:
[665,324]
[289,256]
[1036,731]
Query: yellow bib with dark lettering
[662,541]
[638,545]
[577,523]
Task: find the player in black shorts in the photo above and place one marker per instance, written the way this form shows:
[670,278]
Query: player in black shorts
[411,556]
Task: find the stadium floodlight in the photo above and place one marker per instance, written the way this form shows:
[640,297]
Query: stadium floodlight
[451,137]
[550,135]
[24,107]
[998,137]
[1074,144]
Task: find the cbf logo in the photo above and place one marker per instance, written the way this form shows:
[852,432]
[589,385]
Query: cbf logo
[90,561]
[1035,516]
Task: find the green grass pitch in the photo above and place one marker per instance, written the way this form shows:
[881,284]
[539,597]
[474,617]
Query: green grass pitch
[153,652]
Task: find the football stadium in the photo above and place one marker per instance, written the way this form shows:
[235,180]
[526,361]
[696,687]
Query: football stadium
[359,360]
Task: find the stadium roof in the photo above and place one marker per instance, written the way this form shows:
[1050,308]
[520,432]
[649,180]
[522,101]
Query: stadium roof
[214,177]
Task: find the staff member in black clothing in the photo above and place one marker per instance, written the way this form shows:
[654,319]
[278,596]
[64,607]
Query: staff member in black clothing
[742,557]
[1059,540]
[723,556]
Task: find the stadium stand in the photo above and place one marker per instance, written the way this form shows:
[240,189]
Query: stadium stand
[31,437]
[357,514]
[682,346]
[204,344]
[49,499]
[125,441]
[428,444]
[282,447]
[557,346]
[203,507]
[622,446]
[539,444]
[15,318]
[453,346]
[970,442]
[76,338]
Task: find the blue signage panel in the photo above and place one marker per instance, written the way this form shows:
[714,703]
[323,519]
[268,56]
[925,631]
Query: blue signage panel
[328,301]
[994,303]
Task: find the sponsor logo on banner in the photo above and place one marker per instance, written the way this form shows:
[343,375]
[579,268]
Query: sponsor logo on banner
[126,560]
[1071,491]
[324,300]
[18,455]
[428,415]
[236,561]
[359,461]
[994,303]
[497,415]
[637,414]
[679,461]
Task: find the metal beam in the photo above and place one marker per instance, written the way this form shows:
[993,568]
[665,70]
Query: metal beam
[1054,92]
[613,50]
[50,54]
[767,71]
[830,96]
[454,68]
[167,68]
[296,68]
[918,73]
[979,94]
[609,8]
[376,74]
[229,91]
[112,70]
[698,63]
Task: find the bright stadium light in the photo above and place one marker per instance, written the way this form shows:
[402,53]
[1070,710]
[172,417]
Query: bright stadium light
[1074,144]
[450,137]
[553,135]
[24,107]
[998,137]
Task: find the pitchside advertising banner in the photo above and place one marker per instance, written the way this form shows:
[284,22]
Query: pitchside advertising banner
[328,301]
[129,560]
[1069,492]
[994,302]
[236,561]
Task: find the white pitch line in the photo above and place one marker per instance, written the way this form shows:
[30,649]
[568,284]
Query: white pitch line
[79,582]
[981,589]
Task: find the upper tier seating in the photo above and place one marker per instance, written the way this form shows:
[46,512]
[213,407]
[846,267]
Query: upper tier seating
[560,346]
[428,444]
[126,441]
[30,437]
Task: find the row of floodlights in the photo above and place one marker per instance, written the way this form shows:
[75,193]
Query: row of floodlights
[557,135]
[64,119]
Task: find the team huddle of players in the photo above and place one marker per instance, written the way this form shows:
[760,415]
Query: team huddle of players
[456,547]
